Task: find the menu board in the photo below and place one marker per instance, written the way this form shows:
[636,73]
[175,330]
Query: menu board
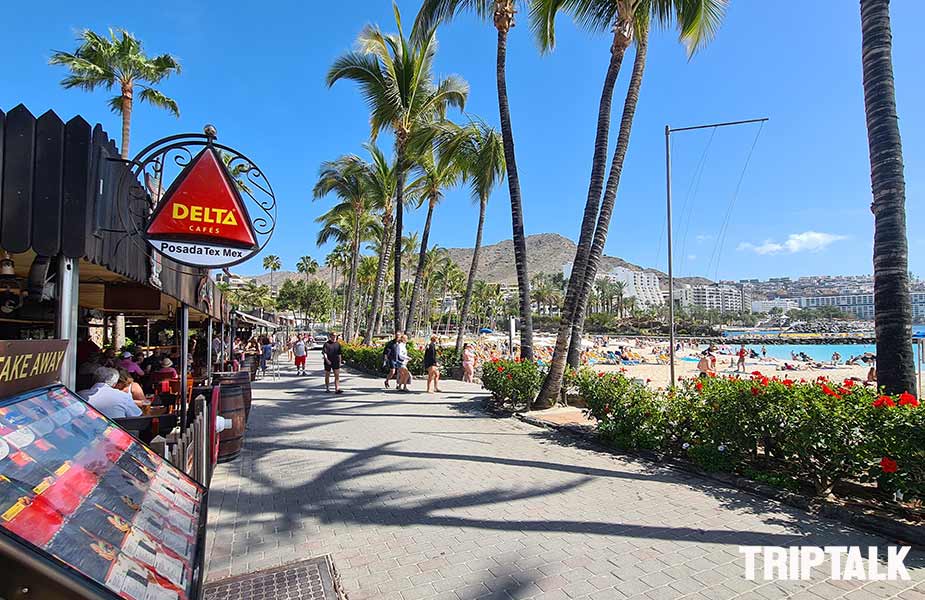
[93,497]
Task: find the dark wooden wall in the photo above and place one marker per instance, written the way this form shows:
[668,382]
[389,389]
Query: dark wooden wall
[64,191]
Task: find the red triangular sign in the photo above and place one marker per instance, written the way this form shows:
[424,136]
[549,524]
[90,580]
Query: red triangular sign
[203,204]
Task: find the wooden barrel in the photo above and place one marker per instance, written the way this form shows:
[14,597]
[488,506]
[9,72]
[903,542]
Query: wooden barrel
[241,378]
[250,365]
[231,406]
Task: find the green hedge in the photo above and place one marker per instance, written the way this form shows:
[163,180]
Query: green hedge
[369,358]
[821,432]
[512,381]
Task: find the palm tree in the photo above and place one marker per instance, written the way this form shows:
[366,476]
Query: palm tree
[481,153]
[892,303]
[395,76]
[627,20]
[502,12]
[119,59]
[619,289]
[437,170]
[380,184]
[307,266]
[272,264]
[350,221]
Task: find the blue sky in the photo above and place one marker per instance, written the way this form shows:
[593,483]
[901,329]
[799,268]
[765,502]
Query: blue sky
[257,73]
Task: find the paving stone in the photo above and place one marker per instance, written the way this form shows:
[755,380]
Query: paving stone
[416,494]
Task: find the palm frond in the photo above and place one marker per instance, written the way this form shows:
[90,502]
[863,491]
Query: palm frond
[159,99]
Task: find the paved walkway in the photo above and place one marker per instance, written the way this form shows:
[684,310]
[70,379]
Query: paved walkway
[423,496]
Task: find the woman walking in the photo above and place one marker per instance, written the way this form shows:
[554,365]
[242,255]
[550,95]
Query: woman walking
[401,360]
[468,363]
[430,365]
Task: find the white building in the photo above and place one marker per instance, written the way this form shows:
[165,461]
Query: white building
[235,282]
[861,305]
[642,286]
[725,298]
[765,306]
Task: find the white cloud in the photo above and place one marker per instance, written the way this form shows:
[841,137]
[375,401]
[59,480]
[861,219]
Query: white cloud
[691,257]
[703,238]
[808,241]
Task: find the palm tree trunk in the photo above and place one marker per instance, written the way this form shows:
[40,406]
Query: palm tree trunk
[419,273]
[470,282]
[892,302]
[378,286]
[399,206]
[352,283]
[571,312]
[504,20]
[610,193]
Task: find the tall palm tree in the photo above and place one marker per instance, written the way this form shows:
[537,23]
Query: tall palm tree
[395,76]
[619,289]
[892,303]
[380,184]
[118,60]
[502,13]
[272,264]
[307,266]
[698,21]
[481,152]
[349,221]
[437,171]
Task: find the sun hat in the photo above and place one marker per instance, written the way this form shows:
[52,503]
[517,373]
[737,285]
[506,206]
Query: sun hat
[166,363]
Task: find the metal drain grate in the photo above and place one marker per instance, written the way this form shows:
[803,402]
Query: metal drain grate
[311,579]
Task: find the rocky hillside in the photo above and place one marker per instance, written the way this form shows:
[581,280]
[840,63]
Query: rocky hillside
[546,253]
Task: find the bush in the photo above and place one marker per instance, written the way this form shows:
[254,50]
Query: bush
[514,381]
[820,432]
[369,358]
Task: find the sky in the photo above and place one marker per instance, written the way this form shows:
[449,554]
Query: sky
[789,197]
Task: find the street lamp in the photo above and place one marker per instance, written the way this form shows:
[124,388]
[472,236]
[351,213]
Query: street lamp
[668,132]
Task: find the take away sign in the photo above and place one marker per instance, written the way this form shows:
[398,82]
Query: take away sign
[202,221]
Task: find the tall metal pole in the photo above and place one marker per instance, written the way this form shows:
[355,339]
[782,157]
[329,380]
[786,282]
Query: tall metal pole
[670,257]
[668,131]
[184,362]
[68,282]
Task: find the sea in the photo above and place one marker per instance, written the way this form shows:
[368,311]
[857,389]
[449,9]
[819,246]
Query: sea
[819,352]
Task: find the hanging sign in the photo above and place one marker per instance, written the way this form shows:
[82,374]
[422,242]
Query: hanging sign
[201,220]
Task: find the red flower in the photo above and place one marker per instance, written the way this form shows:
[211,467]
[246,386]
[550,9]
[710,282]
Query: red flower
[907,399]
[755,391]
[711,374]
[494,359]
[884,401]
[830,392]
[756,373]
[822,378]
[601,374]
[509,376]
[648,381]
[623,369]
[500,369]
[787,382]
[849,383]
[699,386]
[765,381]
[888,465]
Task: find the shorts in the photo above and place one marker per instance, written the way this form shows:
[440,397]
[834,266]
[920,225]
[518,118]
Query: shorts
[328,367]
[300,361]
[395,364]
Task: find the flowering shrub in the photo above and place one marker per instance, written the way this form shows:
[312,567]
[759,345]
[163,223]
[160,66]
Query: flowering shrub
[820,432]
[514,381]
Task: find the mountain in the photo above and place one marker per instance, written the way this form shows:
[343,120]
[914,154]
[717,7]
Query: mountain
[546,253]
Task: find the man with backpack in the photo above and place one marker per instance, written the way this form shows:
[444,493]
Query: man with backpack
[390,358]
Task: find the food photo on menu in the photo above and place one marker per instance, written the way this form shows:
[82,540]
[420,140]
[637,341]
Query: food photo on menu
[82,490]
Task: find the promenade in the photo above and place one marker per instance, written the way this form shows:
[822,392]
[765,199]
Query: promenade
[424,496]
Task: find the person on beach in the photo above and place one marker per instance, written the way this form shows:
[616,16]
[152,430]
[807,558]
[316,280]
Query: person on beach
[298,355]
[331,352]
[402,374]
[703,365]
[764,352]
[740,364]
[430,365]
[468,363]
[390,358]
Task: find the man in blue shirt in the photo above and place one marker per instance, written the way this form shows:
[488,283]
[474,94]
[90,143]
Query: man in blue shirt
[108,400]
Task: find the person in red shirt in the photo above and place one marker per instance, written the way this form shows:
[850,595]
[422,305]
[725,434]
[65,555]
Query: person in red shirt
[740,365]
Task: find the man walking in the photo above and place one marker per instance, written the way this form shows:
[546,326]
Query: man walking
[331,352]
[298,353]
[390,358]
